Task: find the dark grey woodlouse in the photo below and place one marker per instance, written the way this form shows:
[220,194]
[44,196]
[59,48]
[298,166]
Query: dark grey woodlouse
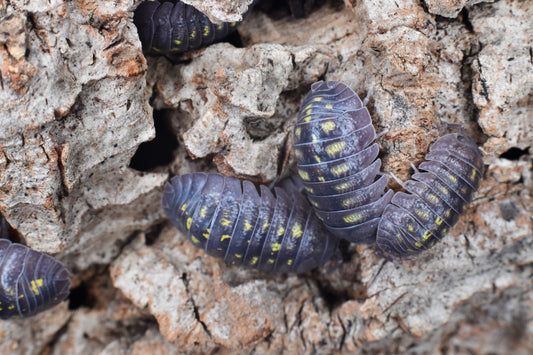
[436,198]
[173,28]
[337,162]
[30,282]
[229,219]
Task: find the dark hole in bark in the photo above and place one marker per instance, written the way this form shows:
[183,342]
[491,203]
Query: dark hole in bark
[514,153]
[159,151]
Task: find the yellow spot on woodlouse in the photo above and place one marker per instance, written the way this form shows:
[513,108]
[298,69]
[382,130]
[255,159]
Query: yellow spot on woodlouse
[473,175]
[298,132]
[438,221]
[238,256]
[399,237]
[308,112]
[276,246]
[254,260]
[183,207]
[289,262]
[328,126]
[313,138]
[432,198]
[247,226]
[271,261]
[309,190]
[307,118]
[281,231]
[296,230]
[422,214]
[321,179]
[329,106]
[317,158]
[342,186]
[318,98]
[427,235]
[35,284]
[203,211]
[220,26]
[452,178]
[418,245]
[347,203]
[353,218]
[335,148]
[194,239]
[192,35]
[225,222]
[225,236]
[339,169]
[177,42]
[303,174]
[410,227]
[206,31]
[189,222]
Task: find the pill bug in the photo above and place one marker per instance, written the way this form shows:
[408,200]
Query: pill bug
[414,221]
[229,219]
[337,162]
[30,282]
[173,28]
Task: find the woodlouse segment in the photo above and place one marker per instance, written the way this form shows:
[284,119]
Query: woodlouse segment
[436,198]
[31,282]
[337,162]
[168,28]
[230,219]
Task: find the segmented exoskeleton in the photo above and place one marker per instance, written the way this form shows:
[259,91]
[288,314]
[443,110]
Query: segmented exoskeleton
[414,221]
[30,282]
[173,28]
[337,162]
[229,219]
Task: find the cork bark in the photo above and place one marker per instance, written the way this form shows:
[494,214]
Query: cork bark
[90,130]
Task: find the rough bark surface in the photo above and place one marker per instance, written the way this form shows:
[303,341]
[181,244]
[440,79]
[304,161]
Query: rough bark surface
[78,99]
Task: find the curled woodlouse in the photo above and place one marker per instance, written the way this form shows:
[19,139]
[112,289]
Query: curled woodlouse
[229,219]
[337,162]
[173,28]
[30,282]
[414,221]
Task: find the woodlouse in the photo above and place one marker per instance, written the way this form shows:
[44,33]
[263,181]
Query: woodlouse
[414,221]
[31,282]
[168,28]
[229,219]
[337,162]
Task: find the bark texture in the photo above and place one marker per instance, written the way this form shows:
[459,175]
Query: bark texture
[79,178]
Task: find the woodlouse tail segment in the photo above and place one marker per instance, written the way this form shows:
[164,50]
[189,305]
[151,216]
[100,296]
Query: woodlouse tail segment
[437,195]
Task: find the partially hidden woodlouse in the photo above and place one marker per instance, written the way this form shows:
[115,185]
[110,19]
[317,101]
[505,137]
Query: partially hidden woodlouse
[414,221]
[173,28]
[30,281]
[337,162]
[229,219]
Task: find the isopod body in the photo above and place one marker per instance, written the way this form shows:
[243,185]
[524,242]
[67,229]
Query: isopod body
[436,197]
[337,162]
[173,28]
[229,219]
[30,281]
